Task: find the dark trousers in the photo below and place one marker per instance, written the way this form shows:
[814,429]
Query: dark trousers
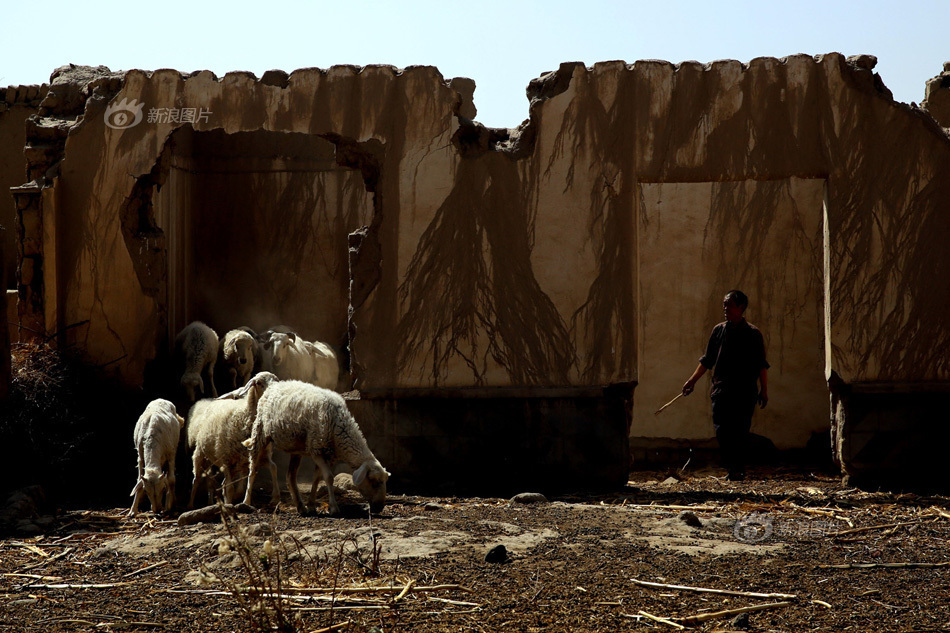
[732,419]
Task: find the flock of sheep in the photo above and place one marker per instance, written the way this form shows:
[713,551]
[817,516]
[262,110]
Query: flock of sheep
[281,396]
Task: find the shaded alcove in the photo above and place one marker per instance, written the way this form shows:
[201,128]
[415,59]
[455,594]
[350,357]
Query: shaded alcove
[255,228]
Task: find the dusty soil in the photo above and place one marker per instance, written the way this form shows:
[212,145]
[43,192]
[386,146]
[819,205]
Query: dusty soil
[851,559]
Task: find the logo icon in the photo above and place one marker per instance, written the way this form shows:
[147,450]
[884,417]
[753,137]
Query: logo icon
[124,114]
[753,528]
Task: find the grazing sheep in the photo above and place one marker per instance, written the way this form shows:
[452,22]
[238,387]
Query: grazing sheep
[241,354]
[303,419]
[216,429]
[196,348]
[156,441]
[292,358]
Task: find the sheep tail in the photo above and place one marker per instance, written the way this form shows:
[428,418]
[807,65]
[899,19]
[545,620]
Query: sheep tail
[256,430]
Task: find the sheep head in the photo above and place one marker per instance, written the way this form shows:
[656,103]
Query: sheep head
[370,479]
[239,348]
[257,384]
[155,484]
[279,342]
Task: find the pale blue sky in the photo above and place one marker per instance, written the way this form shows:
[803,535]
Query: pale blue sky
[500,44]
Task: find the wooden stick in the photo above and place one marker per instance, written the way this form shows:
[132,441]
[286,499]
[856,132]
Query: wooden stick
[369,607]
[872,565]
[657,412]
[873,527]
[941,512]
[822,603]
[145,569]
[703,617]
[669,507]
[656,618]
[402,594]
[81,586]
[309,590]
[335,627]
[457,603]
[726,592]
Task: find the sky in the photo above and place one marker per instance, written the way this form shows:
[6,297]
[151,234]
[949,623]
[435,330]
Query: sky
[502,45]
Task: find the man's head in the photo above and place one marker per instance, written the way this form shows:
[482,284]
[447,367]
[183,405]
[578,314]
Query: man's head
[734,304]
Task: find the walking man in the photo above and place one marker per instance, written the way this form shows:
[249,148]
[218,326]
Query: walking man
[736,353]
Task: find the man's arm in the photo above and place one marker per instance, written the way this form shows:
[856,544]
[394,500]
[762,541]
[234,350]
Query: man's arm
[764,393]
[691,383]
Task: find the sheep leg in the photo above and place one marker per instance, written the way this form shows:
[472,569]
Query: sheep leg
[214,390]
[313,489]
[328,478]
[228,484]
[198,467]
[139,491]
[170,486]
[254,459]
[255,462]
[292,468]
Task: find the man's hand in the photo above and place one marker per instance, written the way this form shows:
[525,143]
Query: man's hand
[688,387]
[763,399]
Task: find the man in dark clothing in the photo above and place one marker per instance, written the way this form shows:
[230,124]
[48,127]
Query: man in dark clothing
[736,350]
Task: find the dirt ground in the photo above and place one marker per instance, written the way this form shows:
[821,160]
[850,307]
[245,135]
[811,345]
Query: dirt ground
[822,557]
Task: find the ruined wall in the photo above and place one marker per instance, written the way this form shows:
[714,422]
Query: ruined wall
[17,103]
[573,258]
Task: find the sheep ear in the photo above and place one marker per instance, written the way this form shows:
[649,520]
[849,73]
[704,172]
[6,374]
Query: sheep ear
[138,486]
[359,475]
[293,337]
[237,394]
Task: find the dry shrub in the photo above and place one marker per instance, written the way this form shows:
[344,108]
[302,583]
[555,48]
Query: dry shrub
[64,423]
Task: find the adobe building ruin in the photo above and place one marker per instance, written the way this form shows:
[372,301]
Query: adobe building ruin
[512,303]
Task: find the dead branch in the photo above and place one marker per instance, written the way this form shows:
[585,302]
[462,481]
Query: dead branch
[873,527]
[704,617]
[458,603]
[406,589]
[80,586]
[657,618]
[335,627]
[210,514]
[726,592]
[940,512]
[145,569]
[672,507]
[892,565]
[381,589]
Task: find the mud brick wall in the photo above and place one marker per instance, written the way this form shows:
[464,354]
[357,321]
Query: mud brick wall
[587,249]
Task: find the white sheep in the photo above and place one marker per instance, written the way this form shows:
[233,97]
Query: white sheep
[303,419]
[196,348]
[290,357]
[216,430]
[241,353]
[156,441]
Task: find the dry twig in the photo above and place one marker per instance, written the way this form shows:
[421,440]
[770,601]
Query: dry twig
[657,618]
[874,527]
[746,594]
[872,565]
[704,617]
[335,627]
[145,569]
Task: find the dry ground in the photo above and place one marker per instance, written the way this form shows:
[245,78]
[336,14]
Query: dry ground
[850,559]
